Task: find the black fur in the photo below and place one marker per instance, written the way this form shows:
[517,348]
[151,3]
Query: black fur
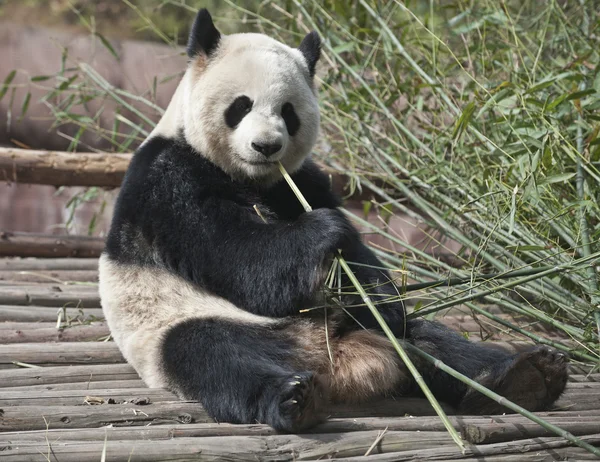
[311,49]
[246,373]
[204,36]
[237,110]
[176,210]
[292,122]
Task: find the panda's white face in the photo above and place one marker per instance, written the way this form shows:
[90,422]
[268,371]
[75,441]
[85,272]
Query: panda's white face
[250,105]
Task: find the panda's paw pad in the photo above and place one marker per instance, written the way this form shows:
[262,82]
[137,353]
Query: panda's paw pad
[553,367]
[298,402]
[535,379]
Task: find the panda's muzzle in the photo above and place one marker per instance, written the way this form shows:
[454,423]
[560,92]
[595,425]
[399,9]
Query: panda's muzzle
[267,149]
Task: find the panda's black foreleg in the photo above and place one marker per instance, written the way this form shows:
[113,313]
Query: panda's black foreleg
[533,379]
[380,288]
[242,373]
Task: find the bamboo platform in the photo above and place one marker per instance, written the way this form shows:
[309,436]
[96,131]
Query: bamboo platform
[66,394]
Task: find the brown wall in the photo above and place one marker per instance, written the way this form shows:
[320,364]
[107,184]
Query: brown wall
[34,51]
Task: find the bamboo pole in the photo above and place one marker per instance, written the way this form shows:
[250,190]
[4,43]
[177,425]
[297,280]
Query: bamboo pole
[407,361]
[439,364]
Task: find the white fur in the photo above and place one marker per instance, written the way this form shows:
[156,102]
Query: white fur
[141,304]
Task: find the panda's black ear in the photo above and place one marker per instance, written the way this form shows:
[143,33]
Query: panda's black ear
[311,49]
[204,37]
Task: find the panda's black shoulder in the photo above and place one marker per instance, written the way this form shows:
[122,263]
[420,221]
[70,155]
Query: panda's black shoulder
[164,177]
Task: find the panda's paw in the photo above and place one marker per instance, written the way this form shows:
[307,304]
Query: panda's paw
[552,365]
[534,379]
[300,402]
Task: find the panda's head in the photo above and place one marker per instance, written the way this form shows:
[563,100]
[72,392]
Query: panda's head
[249,100]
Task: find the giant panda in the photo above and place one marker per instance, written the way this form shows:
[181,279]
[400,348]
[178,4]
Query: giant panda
[210,259]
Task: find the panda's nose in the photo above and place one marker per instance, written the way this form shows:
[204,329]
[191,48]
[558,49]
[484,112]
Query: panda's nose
[267,149]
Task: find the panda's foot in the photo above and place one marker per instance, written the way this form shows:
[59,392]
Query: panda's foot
[534,379]
[299,403]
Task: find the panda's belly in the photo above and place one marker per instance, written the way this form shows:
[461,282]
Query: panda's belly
[140,305]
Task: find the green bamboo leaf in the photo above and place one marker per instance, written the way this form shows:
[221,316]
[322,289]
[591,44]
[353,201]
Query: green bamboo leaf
[464,119]
[108,46]
[557,101]
[348,46]
[495,99]
[25,106]
[580,94]
[539,86]
[7,81]
[40,78]
[366,208]
[64,85]
[561,178]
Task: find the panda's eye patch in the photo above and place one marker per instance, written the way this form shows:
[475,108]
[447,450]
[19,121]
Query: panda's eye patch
[292,122]
[237,110]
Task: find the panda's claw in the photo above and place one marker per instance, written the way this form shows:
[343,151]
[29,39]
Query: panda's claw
[300,401]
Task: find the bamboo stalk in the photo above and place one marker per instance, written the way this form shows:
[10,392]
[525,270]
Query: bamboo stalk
[403,355]
[504,402]
[386,329]
[586,248]
[523,310]
[531,277]
[439,364]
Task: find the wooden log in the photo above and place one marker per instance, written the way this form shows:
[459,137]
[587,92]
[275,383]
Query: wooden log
[73,333]
[584,377]
[274,447]
[61,168]
[48,264]
[60,353]
[490,426]
[13,244]
[74,397]
[16,325]
[388,408]
[579,400]
[497,432]
[18,418]
[49,276]
[73,296]
[29,313]
[78,397]
[65,374]
[511,451]
[107,384]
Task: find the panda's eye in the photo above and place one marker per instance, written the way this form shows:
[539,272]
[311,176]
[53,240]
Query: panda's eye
[237,110]
[292,122]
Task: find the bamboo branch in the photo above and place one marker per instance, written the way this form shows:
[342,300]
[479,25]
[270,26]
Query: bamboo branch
[504,402]
[386,329]
[531,277]
[586,248]
[439,364]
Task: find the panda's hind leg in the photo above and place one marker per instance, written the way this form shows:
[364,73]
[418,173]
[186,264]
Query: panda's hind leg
[242,373]
[534,379]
